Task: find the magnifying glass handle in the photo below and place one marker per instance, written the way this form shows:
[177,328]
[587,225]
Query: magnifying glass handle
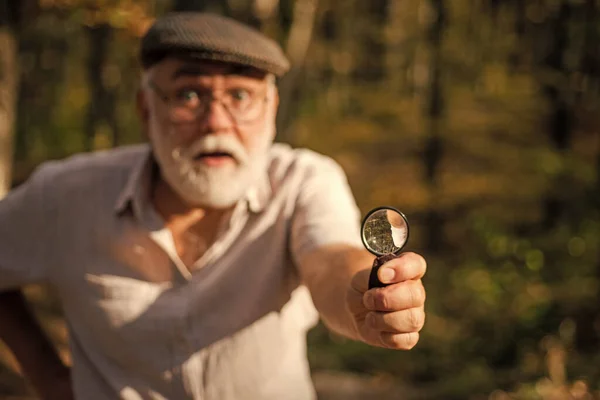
[374,281]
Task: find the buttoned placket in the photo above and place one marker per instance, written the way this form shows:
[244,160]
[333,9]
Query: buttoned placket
[185,329]
[228,231]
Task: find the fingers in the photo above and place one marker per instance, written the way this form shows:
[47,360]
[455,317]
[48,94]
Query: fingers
[399,341]
[396,297]
[408,266]
[394,314]
[395,330]
[405,321]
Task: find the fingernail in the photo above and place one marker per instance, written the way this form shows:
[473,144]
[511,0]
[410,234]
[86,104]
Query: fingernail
[369,300]
[387,274]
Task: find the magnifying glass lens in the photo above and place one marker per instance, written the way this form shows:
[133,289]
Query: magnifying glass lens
[384,233]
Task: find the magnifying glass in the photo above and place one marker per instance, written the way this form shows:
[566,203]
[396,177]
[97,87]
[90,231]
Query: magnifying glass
[384,233]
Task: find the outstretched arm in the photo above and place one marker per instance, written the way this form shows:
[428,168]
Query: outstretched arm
[325,242]
[337,277]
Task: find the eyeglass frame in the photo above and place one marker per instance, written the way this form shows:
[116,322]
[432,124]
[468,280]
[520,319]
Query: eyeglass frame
[168,100]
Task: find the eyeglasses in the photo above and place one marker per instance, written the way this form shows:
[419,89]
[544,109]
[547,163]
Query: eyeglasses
[191,104]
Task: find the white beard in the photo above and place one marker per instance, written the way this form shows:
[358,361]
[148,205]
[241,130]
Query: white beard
[201,185]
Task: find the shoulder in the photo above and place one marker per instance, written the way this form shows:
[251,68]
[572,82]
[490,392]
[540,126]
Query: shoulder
[86,168]
[91,179]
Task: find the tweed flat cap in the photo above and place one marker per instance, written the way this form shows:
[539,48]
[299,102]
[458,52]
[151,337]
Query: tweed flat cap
[207,36]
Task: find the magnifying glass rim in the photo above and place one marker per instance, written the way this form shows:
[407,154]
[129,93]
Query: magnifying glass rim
[362,230]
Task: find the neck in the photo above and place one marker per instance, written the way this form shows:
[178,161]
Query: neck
[176,212]
[194,229]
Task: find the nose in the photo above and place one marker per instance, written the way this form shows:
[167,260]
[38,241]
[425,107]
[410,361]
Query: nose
[216,118]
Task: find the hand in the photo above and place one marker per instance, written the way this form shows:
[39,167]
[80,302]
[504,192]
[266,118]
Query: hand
[391,316]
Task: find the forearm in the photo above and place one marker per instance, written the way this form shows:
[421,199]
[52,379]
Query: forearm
[328,274]
[22,334]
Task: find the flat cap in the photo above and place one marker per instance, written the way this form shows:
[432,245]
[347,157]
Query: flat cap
[207,36]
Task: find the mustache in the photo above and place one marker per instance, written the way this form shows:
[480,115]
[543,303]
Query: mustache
[215,144]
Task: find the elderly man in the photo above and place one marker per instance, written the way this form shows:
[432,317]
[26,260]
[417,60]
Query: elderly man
[191,267]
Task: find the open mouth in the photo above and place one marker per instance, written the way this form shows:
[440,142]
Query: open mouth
[214,158]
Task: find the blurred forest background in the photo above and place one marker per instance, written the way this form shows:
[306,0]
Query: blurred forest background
[477,118]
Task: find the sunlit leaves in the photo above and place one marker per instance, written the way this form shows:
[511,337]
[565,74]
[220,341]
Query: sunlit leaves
[134,16]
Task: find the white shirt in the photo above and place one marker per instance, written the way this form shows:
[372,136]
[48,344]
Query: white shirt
[143,327]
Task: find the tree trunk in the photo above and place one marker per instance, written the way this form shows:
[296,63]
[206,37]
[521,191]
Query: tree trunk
[8,89]
[587,337]
[400,46]
[515,57]
[202,5]
[433,145]
[262,12]
[40,85]
[297,46]
[372,59]
[102,107]
[189,5]
[560,120]
[590,59]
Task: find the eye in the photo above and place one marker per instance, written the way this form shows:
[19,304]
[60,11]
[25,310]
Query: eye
[187,96]
[240,94]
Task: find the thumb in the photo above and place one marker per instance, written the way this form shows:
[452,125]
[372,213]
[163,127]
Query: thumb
[360,280]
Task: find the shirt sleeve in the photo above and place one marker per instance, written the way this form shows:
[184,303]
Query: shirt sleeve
[25,233]
[326,212]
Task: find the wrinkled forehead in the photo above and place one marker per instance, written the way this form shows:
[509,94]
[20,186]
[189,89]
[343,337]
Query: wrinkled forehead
[179,67]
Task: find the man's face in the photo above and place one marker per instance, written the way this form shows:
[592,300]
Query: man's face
[210,127]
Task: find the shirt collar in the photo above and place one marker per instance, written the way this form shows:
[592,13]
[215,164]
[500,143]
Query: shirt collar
[137,186]
[136,192]
[258,196]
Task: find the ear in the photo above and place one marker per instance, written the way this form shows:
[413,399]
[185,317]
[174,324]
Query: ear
[274,108]
[276,99]
[142,110]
